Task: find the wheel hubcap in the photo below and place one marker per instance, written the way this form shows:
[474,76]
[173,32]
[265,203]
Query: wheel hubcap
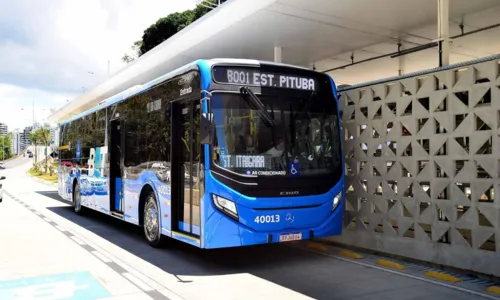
[151,222]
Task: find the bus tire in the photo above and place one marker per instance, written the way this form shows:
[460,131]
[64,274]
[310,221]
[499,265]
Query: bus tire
[77,199]
[151,217]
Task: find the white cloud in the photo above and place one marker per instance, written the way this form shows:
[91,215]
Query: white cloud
[19,105]
[53,51]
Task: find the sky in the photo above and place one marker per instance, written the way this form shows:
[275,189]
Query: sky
[53,51]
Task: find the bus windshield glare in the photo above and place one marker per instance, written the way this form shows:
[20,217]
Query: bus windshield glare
[302,139]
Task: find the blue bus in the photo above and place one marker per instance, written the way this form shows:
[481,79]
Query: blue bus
[218,153]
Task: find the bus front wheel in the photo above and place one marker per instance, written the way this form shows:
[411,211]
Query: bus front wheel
[151,217]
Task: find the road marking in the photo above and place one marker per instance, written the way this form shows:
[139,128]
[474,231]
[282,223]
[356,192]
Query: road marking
[101,256]
[77,240]
[316,246]
[441,276]
[143,286]
[113,265]
[60,228]
[493,289]
[390,264]
[350,254]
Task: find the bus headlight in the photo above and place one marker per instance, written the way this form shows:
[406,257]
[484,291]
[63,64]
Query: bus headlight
[336,200]
[226,206]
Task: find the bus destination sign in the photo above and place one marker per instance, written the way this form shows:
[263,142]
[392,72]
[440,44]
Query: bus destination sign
[257,77]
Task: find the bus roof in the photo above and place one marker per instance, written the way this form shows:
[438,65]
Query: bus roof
[141,88]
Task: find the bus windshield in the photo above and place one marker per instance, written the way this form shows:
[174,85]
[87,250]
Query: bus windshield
[302,140]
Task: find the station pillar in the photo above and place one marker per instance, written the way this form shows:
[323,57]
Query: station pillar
[444,32]
[277,54]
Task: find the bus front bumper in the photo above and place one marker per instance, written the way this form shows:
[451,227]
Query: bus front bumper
[225,232]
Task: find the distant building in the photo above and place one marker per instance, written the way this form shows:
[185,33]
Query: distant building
[4,129]
[25,137]
[16,142]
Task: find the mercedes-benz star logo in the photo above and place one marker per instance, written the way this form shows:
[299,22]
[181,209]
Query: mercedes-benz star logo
[289,218]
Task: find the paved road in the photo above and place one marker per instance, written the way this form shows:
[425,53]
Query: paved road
[17,162]
[24,159]
[49,252]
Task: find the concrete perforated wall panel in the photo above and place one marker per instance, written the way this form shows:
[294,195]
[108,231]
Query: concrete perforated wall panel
[422,164]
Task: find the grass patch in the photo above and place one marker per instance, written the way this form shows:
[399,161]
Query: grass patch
[43,176]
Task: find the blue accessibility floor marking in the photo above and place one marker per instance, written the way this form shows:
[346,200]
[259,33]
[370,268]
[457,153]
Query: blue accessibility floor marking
[68,286]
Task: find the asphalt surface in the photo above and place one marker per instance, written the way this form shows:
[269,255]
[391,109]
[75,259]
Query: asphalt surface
[97,257]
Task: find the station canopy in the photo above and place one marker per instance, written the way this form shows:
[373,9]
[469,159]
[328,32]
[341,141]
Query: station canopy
[312,33]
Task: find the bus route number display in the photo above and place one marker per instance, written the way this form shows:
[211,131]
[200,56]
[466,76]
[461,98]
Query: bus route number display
[256,77]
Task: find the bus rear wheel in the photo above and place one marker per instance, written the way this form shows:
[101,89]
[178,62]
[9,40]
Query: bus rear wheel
[151,217]
[77,199]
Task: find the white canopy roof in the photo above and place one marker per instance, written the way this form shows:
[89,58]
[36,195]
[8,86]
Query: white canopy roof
[320,32]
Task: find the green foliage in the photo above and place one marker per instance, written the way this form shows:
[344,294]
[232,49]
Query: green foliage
[5,146]
[165,28]
[136,49]
[44,136]
[37,137]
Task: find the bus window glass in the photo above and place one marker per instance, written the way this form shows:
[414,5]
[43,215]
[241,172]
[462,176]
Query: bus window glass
[301,143]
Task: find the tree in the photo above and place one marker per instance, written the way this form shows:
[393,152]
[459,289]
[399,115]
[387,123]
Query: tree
[44,136]
[205,7]
[164,28]
[136,52]
[168,26]
[5,146]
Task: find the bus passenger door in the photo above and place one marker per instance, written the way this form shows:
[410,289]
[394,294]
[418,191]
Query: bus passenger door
[116,168]
[187,178]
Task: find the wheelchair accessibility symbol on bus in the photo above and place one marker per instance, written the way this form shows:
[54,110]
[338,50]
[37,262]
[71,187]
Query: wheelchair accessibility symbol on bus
[294,169]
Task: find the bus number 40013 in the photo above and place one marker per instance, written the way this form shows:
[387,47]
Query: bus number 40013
[267,219]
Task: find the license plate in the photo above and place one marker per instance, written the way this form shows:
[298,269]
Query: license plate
[290,237]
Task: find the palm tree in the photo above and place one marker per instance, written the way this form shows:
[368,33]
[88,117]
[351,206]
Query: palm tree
[44,136]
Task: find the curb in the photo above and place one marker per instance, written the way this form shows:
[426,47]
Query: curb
[41,180]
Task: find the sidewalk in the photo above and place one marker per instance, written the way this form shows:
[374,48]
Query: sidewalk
[43,261]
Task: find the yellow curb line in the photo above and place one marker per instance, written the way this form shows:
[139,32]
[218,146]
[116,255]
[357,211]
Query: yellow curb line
[350,254]
[317,247]
[494,290]
[390,264]
[441,276]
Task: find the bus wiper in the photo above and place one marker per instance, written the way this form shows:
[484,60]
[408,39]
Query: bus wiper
[305,109]
[254,102]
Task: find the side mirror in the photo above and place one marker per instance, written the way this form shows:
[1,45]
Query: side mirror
[2,178]
[206,128]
